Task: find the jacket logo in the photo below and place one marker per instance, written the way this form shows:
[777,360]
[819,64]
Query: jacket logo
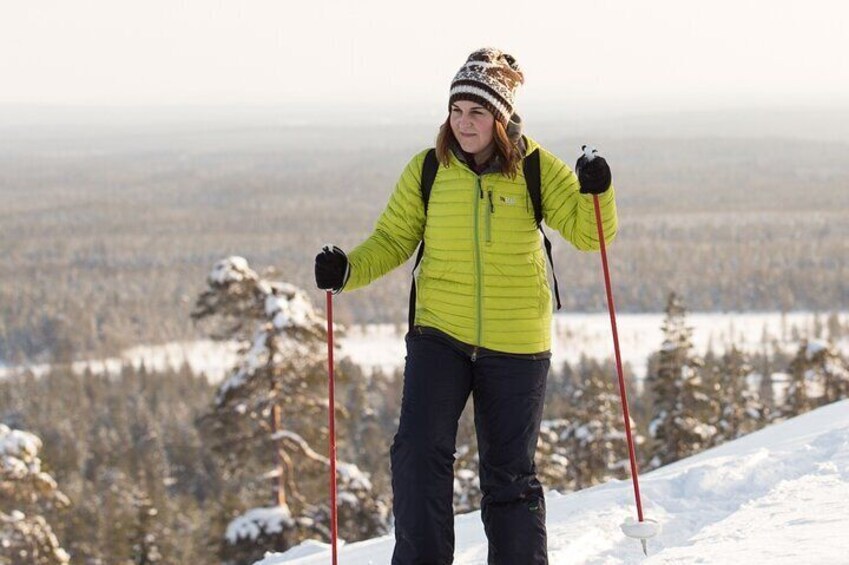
[509,200]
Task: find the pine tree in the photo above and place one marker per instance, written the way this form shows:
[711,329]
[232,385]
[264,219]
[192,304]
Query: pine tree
[269,414]
[683,403]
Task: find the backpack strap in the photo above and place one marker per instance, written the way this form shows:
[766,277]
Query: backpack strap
[531,168]
[429,170]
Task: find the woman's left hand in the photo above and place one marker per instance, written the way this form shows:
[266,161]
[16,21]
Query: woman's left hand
[593,174]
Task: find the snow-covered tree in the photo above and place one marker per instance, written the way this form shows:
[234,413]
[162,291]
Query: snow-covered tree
[590,446]
[145,543]
[818,375]
[798,397]
[834,369]
[684,403]
[467,484]
[553,456]
[271,412]
[25,490]
[600,449]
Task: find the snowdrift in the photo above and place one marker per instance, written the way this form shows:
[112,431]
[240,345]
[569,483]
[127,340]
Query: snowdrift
[776,496]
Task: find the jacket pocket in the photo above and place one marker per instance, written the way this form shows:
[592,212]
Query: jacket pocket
[490,211]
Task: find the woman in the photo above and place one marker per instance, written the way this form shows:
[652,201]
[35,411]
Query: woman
[482,319]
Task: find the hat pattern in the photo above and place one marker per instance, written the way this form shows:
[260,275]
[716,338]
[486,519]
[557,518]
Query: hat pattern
[489,77]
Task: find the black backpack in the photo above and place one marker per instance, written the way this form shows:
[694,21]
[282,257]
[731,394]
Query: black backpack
[531,168]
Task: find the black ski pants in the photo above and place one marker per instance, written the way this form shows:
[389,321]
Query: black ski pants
[508,392]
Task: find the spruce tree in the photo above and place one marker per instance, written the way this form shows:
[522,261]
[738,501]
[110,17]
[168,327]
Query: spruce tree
[741,411]
[797,397]
[818,375]
[683,403]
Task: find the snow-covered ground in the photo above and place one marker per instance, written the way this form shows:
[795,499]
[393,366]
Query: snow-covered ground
[381,346]
[574,335]
[211,358]
[776,496]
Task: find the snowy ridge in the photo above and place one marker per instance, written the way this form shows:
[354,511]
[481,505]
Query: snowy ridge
[777,496]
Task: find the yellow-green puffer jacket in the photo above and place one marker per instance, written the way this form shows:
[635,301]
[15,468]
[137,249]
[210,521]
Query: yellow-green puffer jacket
[483,276]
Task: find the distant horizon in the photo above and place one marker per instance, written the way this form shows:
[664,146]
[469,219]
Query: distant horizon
[794,121]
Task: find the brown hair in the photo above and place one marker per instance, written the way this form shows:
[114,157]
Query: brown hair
[508,152]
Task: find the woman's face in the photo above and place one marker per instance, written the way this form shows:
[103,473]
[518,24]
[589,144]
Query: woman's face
[472,125]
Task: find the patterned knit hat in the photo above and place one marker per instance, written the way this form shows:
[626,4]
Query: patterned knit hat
[490,78]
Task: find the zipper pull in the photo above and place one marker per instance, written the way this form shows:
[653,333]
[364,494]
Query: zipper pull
[491,205]
[474,354]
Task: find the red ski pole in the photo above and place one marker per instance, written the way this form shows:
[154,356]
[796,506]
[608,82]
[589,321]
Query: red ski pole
[332,418]
[643,530]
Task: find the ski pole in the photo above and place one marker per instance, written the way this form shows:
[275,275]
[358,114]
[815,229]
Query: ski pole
[641,533]
[332,424]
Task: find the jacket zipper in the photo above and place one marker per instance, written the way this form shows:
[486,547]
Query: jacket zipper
[478,266]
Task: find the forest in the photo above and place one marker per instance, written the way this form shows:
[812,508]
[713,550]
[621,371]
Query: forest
[149,467]
[116,236]
[106,233]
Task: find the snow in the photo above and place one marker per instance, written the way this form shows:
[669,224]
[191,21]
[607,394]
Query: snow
[18,454]
[309,547]
[231,269]
[381,346]
[214,359]
[815,346]
[257,521]
[777,496]
[351,476]
[374,347]
[254,358]
[294,309]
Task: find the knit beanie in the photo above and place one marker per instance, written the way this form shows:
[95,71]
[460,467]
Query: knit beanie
[490,78]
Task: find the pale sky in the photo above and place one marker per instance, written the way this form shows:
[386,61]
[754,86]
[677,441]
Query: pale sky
[654,54]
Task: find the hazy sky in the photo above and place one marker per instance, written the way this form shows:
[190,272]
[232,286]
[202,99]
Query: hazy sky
[618,54]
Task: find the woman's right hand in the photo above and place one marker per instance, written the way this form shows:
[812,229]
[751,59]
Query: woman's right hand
[331,268]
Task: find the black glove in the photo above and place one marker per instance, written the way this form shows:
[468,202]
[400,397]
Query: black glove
[331,268]
[594,176]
